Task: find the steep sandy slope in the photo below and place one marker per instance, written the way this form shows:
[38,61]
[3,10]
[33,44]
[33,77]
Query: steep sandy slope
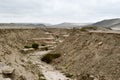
[89,55]
[49,72]
[11,42]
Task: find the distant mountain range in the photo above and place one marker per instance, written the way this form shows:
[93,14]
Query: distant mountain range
[61,25]
[108,23]
[21,24]
[69,25]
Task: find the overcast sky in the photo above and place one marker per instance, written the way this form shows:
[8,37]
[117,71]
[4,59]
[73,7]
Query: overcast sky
[57,11]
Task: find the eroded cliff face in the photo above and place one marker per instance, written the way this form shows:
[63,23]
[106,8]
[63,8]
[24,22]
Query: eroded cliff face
[11,42]
[16,65]
[90,54]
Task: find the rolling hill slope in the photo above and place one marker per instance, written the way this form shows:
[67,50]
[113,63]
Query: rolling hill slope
[87,54]
[108,23]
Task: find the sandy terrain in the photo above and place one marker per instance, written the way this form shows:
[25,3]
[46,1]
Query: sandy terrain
[95,54]
[49,72]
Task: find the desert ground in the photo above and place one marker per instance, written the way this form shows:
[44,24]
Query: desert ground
[88,53]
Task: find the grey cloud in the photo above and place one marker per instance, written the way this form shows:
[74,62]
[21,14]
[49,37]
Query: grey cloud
[55,11]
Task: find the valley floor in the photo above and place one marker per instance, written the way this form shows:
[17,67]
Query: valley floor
[48,71]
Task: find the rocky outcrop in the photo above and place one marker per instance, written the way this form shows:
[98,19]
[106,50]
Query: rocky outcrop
[7,70]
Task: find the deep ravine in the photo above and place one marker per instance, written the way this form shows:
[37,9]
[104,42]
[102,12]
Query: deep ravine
[48,71]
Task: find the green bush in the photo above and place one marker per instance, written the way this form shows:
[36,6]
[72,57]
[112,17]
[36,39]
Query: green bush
[49,57]
[56,55]
[35,46]
[27,46]
[68,75]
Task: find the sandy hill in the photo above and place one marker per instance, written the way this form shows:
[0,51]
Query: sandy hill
[90,54]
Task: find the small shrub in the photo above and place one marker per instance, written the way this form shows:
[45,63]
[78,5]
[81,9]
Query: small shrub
[45,48]
[56,55]
[82,29]
[27,46]
[86,77]
[68,75]
[35,46]
[49,57]
[42,44]
[41,77]
[57,36]
[108,28]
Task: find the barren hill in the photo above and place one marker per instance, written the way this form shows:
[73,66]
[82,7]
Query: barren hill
[108,23]
[89,55]
[12,41]
[69,25]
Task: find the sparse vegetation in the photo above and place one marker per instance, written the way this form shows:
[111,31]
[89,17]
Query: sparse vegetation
[108,28]
[86,77]
[27,46]
[44,49]
[49,57]
[88,28]
[68,75]
[41,77]
[57,36]
[91,77]
[35,45]
[42,44]
[56,55]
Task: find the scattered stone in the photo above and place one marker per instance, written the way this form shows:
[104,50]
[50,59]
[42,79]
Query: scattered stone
[100,43]
[42,78]
[7,70]
[27,50]
[1,78]
[7,79]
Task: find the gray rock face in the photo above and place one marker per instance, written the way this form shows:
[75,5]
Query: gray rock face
[7,70]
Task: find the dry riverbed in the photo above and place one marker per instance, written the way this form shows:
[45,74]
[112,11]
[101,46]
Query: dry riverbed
[48,71]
